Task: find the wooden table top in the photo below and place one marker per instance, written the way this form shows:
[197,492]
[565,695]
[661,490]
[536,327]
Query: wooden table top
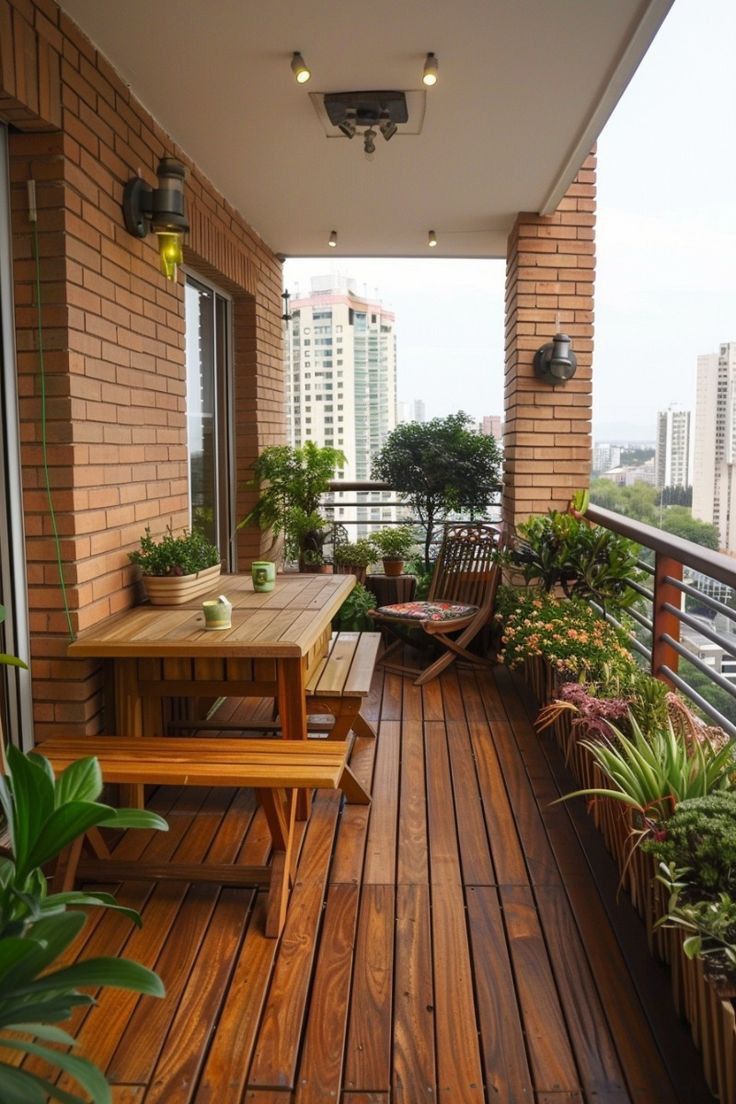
[283,623]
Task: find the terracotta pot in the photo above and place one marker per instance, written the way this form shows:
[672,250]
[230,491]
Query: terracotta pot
[173,590]
[393,567]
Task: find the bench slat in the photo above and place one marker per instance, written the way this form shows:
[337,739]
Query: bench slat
[361,672]
[335,673]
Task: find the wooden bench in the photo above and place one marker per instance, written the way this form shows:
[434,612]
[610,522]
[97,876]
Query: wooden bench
[277,769]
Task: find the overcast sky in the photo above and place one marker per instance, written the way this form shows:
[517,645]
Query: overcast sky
[666,284]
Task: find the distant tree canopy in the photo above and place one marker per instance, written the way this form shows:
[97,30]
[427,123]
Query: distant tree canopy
[443,468]
[675,496]
[634,456]
[639,502]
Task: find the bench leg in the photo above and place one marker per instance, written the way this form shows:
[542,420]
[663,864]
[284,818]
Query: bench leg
[65,872]
[351,787]
[362,727]
[282,822]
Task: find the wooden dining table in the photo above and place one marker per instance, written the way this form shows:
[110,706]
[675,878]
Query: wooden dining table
[161,656]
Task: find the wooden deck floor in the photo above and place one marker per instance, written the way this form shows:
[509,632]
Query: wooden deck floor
[449,944]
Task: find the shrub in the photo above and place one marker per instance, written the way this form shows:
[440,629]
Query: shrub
[701,838]
[585,561]
[361,554]
[394,542]
[352,615]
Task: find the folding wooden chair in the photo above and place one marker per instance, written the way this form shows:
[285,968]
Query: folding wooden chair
[461,599]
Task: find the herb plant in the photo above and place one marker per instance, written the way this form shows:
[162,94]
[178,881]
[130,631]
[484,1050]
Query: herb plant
[360,554]
[394,542]
[170,555]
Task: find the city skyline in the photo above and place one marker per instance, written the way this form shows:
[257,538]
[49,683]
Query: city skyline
[666,285]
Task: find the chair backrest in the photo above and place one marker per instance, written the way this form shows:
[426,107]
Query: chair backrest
[467,570]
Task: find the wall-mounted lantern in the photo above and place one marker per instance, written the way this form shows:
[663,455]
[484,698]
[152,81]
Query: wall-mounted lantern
[556,362]
[160,210]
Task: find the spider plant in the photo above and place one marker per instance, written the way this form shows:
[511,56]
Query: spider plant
[652,772]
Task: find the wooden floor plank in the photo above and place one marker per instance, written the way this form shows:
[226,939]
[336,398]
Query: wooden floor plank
[550,1053]
[502,1037]
[380,862]
[175,1074]
[368,1051]
[459,1069]
[320,1070]
[475,855]
[352,833]
[226,1068]
[508,858]
[413,865]
[414,1025]
[444,853]
[277,1045]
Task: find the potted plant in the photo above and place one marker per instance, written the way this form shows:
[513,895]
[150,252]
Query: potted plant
[394,543]
[176,569]
[354,558]
[291,482]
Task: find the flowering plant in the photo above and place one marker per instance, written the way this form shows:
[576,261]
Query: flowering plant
[568,634]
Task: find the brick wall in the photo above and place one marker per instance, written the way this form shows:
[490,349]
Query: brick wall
[550,277]
[114,339]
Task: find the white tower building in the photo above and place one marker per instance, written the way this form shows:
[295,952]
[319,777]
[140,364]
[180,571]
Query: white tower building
[714,468]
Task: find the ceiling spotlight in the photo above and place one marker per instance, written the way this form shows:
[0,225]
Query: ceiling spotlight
[369,143]
[347,126]
[386,126]
[429,73]
[431,239]
[333,239]
[300,69]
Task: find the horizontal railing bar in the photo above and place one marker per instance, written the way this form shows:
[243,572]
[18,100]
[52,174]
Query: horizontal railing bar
[645,622]
[700,701]
[728,644]
[644,591]
[706,599]
[643,566]
[358,485]
[714,564]
[704,669]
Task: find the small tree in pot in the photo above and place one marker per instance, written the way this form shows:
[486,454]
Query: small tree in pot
[394,543]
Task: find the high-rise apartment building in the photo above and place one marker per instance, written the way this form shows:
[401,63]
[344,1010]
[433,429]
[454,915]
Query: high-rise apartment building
[606,457]
[491,425]
[341,382]
[714,466]
[672,457]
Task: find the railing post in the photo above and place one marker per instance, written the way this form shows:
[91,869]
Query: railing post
[664,622]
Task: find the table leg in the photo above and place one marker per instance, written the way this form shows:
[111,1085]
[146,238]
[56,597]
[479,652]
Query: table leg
[129,721]
[292,700]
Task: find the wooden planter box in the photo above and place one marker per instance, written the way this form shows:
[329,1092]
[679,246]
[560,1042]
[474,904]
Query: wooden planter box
[173,590]
[710,1013]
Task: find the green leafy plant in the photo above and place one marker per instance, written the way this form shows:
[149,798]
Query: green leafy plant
[586,561]
[442,467]
[701,836]
[709,925]
[44,814]
[394,542]
[290,482]
[653,772]
[170,555]
[352,615]
[360,554]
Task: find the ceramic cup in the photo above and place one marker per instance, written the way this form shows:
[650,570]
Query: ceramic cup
[263,573]
[217,613]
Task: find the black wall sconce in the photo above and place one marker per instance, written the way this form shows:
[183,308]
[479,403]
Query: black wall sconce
[556,362]
[161,210]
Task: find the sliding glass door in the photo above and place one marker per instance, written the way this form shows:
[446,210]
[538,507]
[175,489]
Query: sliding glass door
[16,713]
[209,419]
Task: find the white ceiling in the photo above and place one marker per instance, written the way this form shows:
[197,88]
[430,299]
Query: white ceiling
[524,89]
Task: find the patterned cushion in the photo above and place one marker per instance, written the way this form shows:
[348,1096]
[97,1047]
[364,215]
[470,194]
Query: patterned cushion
[427,611]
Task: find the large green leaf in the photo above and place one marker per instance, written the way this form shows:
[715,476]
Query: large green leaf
[61,828]
[12,661]
[57,932]
[57,902]
[53,1008]
[135,818]
[84,1073]
[81,781]
[19,1087]
[14,954]
[47,1032]
[33,797]
[103,971]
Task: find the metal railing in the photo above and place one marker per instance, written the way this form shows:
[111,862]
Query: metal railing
[662,611]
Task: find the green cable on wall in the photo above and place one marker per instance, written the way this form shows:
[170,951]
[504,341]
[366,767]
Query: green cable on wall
[44,439]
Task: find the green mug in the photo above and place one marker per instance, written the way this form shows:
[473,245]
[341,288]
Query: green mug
[217,613]
[263,573]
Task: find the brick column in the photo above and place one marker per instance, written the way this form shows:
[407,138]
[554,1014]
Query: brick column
[550,279]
